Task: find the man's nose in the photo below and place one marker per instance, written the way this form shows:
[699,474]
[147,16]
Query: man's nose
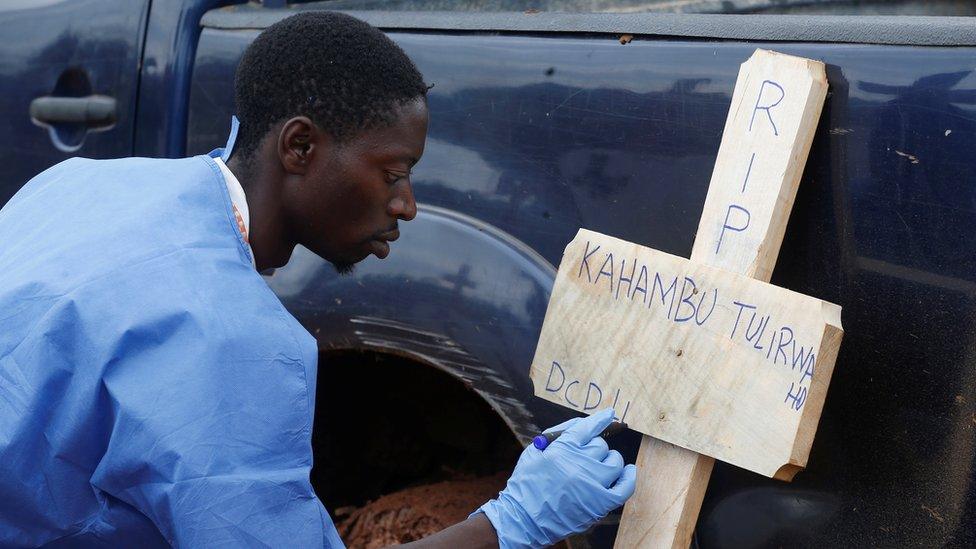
[403,206]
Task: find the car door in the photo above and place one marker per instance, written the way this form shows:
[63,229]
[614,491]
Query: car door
[68,79]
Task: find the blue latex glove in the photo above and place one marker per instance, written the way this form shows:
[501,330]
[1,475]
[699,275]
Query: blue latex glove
[563,489]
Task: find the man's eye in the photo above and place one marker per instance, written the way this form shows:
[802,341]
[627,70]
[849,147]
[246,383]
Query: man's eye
[393,177]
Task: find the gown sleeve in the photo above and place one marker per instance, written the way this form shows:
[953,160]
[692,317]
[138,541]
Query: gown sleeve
[207,385]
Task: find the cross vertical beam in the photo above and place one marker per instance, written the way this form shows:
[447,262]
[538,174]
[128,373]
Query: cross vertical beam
[775,109]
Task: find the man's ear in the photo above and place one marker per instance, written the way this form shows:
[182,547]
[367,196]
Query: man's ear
[299,141]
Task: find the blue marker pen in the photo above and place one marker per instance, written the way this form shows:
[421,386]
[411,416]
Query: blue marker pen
[545,439]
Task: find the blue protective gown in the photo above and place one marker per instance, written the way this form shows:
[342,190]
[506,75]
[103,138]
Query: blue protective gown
[152,387]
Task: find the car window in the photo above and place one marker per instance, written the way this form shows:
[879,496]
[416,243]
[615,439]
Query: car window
[825,7]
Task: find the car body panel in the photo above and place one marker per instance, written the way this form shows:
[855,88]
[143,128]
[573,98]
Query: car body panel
[537,135]
[65,49]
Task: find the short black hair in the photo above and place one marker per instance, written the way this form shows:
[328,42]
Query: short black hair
[342,73]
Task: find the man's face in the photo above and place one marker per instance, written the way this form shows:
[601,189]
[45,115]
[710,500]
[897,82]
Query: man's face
[356,193]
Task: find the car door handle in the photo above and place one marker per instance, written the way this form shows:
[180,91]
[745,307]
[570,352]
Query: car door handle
[91,111]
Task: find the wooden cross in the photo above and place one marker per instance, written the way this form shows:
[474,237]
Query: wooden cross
[703,355]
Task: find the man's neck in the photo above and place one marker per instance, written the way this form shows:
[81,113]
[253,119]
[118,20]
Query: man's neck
[267,232]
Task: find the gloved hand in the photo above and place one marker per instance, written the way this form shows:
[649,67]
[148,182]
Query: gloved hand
[563,489]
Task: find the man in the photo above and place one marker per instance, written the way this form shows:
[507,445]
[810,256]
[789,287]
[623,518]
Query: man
[154,391]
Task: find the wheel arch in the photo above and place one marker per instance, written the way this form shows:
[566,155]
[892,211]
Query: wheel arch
[456,294]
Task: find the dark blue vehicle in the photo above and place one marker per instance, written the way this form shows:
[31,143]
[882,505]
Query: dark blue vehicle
[542,123]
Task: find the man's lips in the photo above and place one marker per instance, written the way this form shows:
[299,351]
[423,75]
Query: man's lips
[380,248]
[381,244]
[389,236]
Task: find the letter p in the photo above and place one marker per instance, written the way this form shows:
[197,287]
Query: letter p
[737,227]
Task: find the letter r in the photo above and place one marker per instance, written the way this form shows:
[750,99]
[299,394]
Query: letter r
[767,106]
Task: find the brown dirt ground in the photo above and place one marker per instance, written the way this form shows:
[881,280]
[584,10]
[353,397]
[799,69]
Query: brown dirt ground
[416,512]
